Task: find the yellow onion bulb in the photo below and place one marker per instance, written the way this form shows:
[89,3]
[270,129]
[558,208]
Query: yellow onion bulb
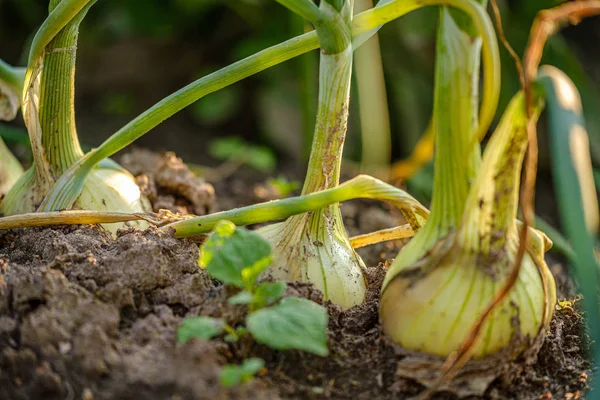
[315,248]
[431,306]
[108,187]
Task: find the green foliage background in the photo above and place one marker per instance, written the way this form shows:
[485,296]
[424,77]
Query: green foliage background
[134,52]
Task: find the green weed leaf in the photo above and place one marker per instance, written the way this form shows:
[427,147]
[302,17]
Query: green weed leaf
[294,323]
[283,186]
[250,274]
[233,375]
[225,148]
[235,256]
[268,292]
[261,158]
[199,327]
[243,297]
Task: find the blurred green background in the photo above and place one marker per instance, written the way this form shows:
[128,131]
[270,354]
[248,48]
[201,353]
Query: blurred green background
[133,53]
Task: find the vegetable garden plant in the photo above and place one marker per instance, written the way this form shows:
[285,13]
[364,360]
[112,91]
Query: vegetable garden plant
[469,294]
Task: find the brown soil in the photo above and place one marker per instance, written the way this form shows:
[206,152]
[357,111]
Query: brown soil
[168,182]
[86,316]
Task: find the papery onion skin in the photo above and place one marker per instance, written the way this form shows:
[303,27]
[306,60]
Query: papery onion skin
[107,188]
[308,250]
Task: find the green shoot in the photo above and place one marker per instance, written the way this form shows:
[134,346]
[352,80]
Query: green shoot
[282,186]
[238,257]
[362,186]
[234,375]
[235,150]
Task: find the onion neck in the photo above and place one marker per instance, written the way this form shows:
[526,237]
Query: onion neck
[335,26]
[57,97]
[332,119]
[457,153]
[335,73]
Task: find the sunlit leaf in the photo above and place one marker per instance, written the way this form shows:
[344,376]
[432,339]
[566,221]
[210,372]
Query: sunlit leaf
[294,323]
[235,256]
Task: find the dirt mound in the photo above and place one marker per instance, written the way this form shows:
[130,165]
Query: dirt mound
[82,314]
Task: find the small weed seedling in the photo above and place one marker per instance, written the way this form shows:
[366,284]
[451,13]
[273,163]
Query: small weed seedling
[283,186]
[237,151]
[237,257]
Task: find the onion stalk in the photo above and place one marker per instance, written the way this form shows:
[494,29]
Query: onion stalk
[315,247]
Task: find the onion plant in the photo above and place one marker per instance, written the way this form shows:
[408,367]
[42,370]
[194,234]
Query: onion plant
[434,294]
[461,288]
[315,247]
[440,297]
[469,239]
[48,110]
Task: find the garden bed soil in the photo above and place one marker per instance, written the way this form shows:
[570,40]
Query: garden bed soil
[87,316]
